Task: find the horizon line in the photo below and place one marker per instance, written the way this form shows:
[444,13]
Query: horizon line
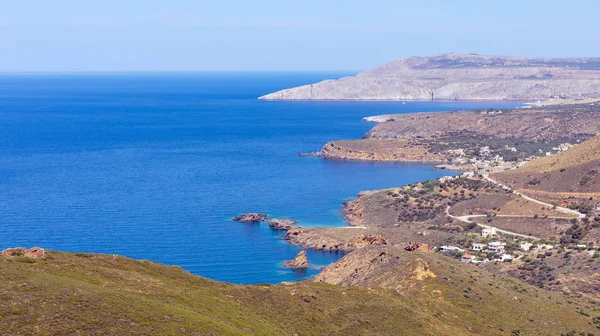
[26,72]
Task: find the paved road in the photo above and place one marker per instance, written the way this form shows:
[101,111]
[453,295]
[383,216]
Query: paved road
[561,209]
[467,219]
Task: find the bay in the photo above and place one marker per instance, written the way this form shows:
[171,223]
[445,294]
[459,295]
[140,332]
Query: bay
[153,166]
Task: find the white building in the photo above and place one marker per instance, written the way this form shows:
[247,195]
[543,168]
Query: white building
[450,249]
[478,247]
[496,246]
[458,152]
[488,232]
[541,247]
[525,246]
[565,146]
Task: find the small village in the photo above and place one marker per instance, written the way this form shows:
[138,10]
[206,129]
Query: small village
[493,246]
[487,160]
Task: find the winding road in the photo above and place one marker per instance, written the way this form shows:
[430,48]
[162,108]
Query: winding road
[561,209]
[467,219]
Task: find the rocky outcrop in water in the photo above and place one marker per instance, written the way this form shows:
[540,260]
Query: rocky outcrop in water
[282,224]
[251,217]
[461,77]
[300,261]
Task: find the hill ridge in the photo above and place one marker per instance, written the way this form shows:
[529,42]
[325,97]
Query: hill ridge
[66,293]
[454,76]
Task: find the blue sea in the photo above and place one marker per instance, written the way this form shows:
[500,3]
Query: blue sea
[152,166]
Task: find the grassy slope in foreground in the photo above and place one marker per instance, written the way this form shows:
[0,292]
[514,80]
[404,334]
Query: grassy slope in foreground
[69,294]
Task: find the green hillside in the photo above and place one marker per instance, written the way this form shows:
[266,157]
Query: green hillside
[70,294]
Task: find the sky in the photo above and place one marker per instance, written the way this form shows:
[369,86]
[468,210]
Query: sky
[282,35]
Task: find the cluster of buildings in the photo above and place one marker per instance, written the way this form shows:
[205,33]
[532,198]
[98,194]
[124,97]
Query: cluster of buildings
[487,162]
[560,148]
[494,247]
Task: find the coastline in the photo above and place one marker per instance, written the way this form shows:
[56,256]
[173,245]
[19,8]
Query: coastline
[354,211]
[531,101]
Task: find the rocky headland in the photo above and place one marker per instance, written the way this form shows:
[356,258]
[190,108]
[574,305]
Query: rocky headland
[397,150]
[461,77]
[492,139]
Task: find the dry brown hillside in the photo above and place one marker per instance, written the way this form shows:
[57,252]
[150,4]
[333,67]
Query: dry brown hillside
[584,153]
[574,172]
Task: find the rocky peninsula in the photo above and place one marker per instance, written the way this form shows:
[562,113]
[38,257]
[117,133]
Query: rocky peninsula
[461,77]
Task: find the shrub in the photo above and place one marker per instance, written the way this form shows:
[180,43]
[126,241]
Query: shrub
[584,180]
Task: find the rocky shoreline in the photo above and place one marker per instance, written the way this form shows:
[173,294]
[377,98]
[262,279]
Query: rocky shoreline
[323,239]
[396,150]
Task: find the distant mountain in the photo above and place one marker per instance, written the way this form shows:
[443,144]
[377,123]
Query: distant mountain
[461,77]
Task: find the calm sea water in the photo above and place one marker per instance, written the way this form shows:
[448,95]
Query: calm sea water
[152,166]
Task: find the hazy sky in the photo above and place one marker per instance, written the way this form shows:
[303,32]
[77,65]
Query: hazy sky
[215,35]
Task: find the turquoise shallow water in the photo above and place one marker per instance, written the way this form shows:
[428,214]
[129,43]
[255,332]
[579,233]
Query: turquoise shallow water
[152,166]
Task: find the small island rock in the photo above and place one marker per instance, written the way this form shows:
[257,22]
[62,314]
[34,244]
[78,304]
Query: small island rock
[251,217]
[300,261]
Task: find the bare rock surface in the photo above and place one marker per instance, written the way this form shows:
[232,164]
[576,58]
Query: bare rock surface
[461,77]
[251,217]
[34,252]
[382,266]
[333,239]
[281,224]
[418,247]
[300,261]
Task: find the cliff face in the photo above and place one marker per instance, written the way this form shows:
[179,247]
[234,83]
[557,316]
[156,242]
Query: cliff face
[460,77]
